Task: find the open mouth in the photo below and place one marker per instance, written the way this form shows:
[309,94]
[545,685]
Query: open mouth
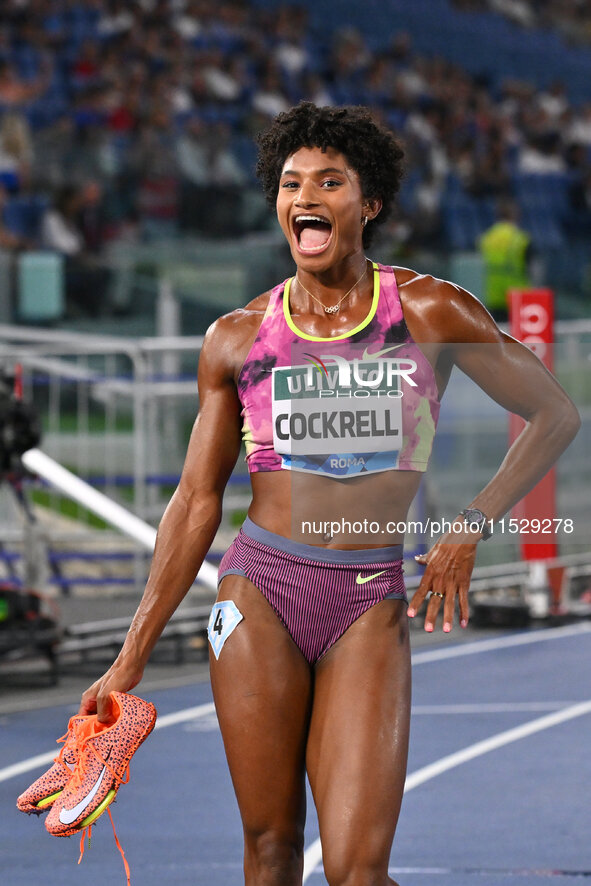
[313,233]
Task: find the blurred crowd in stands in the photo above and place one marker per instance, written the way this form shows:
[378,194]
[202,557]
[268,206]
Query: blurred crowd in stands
[135,118]
[571,18]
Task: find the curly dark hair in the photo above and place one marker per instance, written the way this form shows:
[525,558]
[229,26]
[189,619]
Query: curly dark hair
[370,148]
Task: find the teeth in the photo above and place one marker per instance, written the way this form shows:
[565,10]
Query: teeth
[305,218]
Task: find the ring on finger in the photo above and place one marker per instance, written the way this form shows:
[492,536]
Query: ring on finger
[437,594]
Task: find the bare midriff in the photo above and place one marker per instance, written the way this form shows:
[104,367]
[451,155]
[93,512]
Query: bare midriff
[375,506]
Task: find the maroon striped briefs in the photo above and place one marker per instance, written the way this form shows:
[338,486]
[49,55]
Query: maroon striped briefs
[316,592]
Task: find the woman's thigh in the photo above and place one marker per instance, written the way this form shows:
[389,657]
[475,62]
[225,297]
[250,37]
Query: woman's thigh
[358,740]
[262,691]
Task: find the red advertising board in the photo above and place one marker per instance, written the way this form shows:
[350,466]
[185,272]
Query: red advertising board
[531,319]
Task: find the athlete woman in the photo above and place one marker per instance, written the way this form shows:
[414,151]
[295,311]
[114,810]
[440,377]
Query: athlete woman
[310,661]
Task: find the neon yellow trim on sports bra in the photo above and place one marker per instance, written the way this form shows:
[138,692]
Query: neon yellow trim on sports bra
[343,335]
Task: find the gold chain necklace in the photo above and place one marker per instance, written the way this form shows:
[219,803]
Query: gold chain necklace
[332,309]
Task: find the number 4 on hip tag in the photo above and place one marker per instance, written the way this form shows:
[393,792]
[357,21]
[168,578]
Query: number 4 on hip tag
[222,621]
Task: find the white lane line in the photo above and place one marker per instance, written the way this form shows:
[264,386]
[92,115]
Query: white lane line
[201,710]
[313,854]
[418,658]
[504,642]
[166,720]
[495,741]
[205,709]
[496,872]
[509,707]
[313,851]
[26,765]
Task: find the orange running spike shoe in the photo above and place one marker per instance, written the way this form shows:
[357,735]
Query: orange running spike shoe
[44,792]
[104,753]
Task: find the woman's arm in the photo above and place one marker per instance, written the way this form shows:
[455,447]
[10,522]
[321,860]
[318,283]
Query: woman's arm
[514,377]
[190,521]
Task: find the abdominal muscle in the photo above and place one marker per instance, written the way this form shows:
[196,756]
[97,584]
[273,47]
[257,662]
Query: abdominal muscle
[366,511]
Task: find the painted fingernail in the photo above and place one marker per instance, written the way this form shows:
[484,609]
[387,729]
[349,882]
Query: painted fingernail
[411,613]
[464,623]
[429,628]
[447,627]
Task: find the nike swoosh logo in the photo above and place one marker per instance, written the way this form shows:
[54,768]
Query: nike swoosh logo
[377,354]
[361,581]
[67,816]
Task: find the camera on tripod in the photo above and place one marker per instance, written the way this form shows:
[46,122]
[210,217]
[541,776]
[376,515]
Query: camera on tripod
[20,427]
[29,620]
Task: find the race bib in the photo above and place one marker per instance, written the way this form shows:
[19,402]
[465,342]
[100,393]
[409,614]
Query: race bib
[225,616]
[338,416]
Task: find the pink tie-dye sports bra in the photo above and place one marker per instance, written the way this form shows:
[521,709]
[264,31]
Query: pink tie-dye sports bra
[357,403]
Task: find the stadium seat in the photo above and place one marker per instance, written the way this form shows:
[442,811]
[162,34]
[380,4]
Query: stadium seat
[467,270]
[476,41]
[40,287]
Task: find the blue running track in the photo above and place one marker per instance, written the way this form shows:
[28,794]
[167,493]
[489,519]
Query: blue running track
[497,794]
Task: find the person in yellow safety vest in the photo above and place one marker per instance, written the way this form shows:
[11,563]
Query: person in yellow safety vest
[506,251]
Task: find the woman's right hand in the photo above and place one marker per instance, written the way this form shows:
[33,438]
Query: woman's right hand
[121,678]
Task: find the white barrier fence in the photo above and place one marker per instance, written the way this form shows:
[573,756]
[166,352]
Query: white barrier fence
[72,486]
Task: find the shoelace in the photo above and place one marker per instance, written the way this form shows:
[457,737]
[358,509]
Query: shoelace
[81,744]
[88,832]
[70,742]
